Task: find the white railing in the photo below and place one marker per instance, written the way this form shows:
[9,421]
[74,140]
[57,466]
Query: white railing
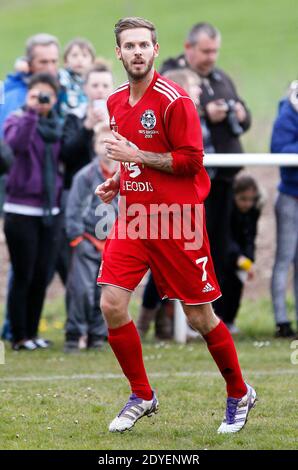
[251,159]
[227,160]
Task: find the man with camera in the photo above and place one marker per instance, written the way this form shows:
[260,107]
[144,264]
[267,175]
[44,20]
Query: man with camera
[42,56]
[227,118]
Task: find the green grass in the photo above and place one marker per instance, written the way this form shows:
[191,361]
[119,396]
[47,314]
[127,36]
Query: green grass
[259,51]
[259,40]
[43,405]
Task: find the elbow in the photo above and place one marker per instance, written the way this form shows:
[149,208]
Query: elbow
[187,165]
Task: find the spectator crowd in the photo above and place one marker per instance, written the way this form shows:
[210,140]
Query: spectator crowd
[53,122]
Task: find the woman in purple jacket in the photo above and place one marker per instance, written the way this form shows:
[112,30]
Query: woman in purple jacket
[32,206]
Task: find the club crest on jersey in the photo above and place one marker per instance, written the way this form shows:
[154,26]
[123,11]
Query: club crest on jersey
[148,119]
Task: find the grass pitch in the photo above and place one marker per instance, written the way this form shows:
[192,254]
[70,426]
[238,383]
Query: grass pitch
[50,400]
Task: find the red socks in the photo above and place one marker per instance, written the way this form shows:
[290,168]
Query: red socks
[222,349]
[126,344]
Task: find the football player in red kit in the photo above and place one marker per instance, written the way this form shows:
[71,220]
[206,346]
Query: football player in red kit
[158,142]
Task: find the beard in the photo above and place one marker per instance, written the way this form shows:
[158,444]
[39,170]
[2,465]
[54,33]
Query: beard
[137,76]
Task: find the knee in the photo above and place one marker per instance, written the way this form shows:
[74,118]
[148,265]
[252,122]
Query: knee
[195,313]
[110,305]
[201,317]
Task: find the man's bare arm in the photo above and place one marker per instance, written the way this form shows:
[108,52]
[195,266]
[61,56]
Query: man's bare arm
[158,161]
[121,150]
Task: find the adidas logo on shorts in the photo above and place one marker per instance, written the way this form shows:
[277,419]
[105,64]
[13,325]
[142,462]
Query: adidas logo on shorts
[208,288]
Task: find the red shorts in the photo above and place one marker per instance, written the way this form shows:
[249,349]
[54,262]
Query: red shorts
[179,272]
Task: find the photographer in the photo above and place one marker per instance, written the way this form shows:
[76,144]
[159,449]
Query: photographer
[32,206]
[227,118]
[41,55]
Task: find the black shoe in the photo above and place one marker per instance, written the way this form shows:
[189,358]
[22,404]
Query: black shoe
[284,330]
[71,346]
[96,342]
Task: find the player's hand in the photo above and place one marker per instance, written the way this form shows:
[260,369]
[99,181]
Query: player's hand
[217,110]
[108,190]
[120,149]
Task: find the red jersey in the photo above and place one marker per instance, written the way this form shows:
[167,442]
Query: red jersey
[163,120]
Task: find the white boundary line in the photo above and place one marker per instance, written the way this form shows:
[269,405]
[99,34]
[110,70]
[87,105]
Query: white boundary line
[161,375]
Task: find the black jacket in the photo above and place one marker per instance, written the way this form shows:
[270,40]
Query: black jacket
[6,157]
[242,234]
[77,147]
[218,85]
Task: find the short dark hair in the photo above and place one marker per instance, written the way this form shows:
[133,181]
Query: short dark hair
[134,22]
[245,182]
[200,28]
[44,78]
[83,44]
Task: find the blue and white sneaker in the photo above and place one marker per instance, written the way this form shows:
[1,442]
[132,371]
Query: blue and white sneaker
[237,412]
[134,409]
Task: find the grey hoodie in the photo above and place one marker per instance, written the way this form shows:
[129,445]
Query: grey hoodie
[83,205]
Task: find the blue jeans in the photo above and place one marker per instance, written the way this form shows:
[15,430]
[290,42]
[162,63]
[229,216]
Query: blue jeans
[286,212]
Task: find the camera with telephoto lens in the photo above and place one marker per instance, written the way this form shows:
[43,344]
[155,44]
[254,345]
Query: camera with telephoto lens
[232,120]
[44,98]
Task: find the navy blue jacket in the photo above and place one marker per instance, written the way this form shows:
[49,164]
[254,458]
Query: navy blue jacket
[285,140]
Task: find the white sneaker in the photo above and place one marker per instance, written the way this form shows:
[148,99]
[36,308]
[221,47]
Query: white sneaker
[42,343]
[237,412]
[134,409]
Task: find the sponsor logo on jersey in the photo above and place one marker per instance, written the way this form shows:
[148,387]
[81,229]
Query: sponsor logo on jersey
[148,119]
[138,186]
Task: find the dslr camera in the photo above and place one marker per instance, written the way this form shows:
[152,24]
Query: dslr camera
[44,98]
